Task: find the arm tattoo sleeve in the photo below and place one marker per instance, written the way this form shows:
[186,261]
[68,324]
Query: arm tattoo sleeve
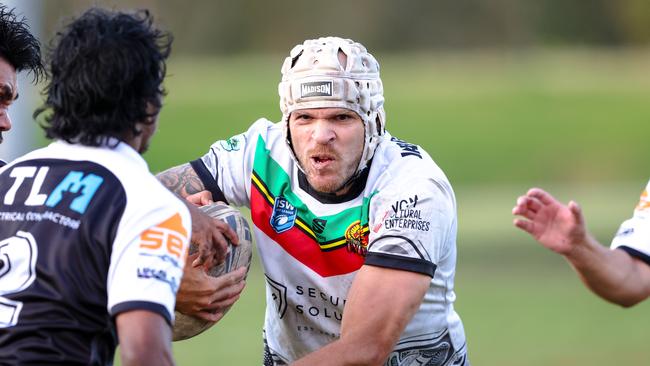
[182,180]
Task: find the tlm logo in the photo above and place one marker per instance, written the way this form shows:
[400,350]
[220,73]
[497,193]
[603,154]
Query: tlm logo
[82,185]
[318,225]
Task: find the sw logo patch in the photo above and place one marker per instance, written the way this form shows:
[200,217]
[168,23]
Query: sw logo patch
[284,215]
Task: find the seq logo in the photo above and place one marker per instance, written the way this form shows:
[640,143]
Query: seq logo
[167,240]
[284,215]
[80,184]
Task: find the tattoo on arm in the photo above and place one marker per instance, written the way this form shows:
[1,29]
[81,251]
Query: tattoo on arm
[182,180]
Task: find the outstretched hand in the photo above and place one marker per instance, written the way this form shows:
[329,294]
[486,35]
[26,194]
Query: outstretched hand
[556,226]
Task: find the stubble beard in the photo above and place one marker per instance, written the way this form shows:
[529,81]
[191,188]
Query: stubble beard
[334,185]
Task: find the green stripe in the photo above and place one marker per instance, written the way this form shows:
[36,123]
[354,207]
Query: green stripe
[278,183]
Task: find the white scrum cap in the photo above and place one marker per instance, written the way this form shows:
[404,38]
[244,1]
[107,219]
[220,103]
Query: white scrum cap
[313,77]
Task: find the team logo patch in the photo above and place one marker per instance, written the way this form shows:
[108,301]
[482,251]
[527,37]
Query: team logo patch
[167,239]
[316,89]
[284,215]
[355,238]
[231,144]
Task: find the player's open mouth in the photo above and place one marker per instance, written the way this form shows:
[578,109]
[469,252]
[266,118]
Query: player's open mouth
[322,161]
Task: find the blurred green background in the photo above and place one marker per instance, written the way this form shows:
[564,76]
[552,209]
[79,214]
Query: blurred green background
[504,95]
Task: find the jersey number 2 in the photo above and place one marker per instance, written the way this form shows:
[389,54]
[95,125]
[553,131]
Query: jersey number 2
[17,271]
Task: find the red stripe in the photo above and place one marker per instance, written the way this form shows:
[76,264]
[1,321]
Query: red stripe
[302,247]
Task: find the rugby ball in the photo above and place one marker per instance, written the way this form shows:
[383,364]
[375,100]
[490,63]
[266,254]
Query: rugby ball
[187,326]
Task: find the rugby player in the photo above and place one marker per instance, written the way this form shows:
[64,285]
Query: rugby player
[356,229]
[92,246]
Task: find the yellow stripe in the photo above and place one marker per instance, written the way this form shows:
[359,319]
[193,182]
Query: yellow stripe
[334,244]
[262,189]
[305,227]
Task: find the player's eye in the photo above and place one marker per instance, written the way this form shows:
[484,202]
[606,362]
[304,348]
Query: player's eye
[343,117]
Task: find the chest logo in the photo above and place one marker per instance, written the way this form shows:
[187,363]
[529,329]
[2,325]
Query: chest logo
[356,238]
[318,225]
[284,215]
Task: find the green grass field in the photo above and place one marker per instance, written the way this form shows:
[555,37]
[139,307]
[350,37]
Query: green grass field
[574,122]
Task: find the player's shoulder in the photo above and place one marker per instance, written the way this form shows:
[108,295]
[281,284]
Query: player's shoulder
[260,129]
[267,130]
[403,158]
[399,166]
[127,169]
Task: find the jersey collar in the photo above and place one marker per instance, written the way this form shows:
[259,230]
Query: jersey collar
[358,184]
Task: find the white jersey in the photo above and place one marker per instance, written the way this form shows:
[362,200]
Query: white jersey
[634,234]
[90,233]
[400,214]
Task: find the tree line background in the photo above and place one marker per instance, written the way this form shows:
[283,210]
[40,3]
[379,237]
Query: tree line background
[245,26]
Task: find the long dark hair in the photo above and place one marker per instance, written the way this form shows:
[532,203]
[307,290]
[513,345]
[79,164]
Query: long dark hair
[106,72]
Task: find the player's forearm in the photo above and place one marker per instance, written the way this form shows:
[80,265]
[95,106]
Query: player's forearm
[608,273]
[181,180]
[144,338]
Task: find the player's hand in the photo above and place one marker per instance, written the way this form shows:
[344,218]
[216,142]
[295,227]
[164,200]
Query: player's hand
[211,236]
[207,297]
[200,199]
[557,226]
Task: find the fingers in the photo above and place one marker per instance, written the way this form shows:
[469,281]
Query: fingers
[576,210]
[227,231]
[227,298]
[231,278]
[201,198]
[214,250]
[527,207]
[525,225]
[189,260]
[229,285]
[212,253]
[220,305]
[206,198]
[210,316]
[540,194]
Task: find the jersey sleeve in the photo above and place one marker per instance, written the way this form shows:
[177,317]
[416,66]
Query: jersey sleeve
[633,236]
[147,259]
[412,226]
[226,168]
